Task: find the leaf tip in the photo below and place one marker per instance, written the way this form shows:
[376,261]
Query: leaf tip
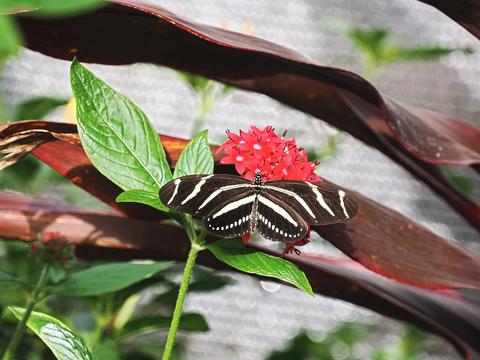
[16,311]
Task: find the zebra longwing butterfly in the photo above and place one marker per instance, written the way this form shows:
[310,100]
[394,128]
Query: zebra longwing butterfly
[279,210]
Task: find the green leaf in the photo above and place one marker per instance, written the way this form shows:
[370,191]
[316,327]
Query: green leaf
[10,41]
[117,136]
[142,197]
[196,158]
[377,48]
[143,325]
[10,38]
[372,42]
[196,82]
[64,344]
[127,309]
[37,108]
[107,350]
[29,175]
[103,279]
[429,53]
[464,184]
[232,252]
[50,7]
[6,277]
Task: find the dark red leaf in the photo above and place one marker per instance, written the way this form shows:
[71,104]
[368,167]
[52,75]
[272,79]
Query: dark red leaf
[393,245]
[102,235]
[74,163]
[465,12]
[379,238]
[129,31]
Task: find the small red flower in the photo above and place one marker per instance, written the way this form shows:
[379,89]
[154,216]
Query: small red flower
[53,248]
[275,157]
[290,247]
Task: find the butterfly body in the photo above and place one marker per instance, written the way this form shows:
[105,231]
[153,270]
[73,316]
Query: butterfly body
[279,210]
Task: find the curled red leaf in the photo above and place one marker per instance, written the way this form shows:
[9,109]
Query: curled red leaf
[379,238]
[129,31]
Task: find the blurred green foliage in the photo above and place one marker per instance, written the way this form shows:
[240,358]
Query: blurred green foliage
[37,108]
[462,183]
[340,344]
[341,339]
[50,7]
[208,92]
[114,325]
[409,347]
[10,40]
[328,150]
[379,50]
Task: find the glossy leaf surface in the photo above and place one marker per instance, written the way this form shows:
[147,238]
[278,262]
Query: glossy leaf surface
[232,252]
[116,135]
[143,197]
[107,278]
[196,158]
[191,322]
[65,345]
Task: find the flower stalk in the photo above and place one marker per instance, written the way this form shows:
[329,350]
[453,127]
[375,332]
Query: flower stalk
[196,246]
[34,299]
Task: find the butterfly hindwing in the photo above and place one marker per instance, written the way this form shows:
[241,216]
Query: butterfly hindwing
[200,194]
[318,203]
[231,218]
[277,221]
[279,210]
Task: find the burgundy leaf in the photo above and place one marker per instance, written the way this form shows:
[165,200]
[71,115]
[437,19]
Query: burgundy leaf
[129,31]
[74,163]
[465,12]
[379,238]
[393,245]
[104,235]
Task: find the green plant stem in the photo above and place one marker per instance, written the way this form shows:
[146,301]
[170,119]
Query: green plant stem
[206,103]
[187,272]
[17,336]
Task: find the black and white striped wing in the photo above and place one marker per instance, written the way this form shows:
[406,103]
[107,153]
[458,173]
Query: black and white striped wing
[278,221]
[231,218]
[198,195]
[318,203]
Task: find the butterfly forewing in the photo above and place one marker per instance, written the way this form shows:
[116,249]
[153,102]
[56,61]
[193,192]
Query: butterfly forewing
[231,218]
[198,195]
[318,203]
[279,210]
[278,221]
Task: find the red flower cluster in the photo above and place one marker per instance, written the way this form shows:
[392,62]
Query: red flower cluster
[275,157]
[53,248]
